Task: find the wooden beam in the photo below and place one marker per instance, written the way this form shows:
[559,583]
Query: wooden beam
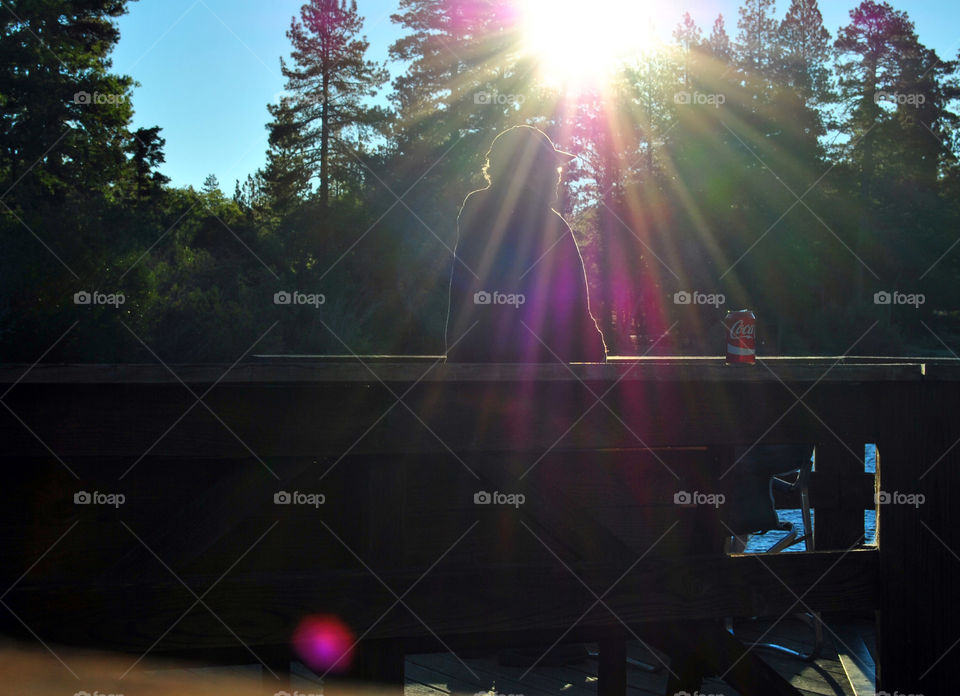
[612,666]
[328,418]
[263,609]
[919,542]
[376,368]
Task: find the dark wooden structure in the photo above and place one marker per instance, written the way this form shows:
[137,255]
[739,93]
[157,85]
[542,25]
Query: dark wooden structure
[200,559]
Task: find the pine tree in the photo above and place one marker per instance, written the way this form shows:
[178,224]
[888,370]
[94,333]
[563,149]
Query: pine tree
[757,48]
[869,67]
[718,44]
[867,64]
[467,78]
[146,150]
[211,185]
[286,177]
[803,86]
[63,115]
[329,78]
[923,95]
[805,46]
[898,92]
[688,38]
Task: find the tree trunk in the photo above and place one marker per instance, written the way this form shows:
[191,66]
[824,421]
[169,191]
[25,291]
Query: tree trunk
[325,144]
[866,180]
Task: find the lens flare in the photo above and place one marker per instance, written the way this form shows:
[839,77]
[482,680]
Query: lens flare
[324,642]
[580,44]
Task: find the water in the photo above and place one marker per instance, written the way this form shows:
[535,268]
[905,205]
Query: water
[761,542]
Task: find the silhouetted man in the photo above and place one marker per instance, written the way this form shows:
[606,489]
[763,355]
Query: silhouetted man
[518,275]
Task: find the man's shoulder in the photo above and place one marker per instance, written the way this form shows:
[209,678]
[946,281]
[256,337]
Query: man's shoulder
[556,216]
[474,199]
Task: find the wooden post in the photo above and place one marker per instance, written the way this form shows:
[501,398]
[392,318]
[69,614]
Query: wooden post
[380,662]
[918,614]
[838,524]
[612,674]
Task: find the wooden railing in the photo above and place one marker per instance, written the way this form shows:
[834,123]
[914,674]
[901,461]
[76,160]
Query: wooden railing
[398,448]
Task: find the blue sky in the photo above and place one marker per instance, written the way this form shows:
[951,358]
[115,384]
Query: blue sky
[208,68]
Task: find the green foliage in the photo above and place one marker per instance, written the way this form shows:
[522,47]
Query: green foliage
[757,168]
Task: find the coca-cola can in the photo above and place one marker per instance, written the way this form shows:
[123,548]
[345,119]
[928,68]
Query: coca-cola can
[741,337]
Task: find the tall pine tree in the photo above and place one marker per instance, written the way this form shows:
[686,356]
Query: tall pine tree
[718,44]
[803,88]
[329,79]
[757,45]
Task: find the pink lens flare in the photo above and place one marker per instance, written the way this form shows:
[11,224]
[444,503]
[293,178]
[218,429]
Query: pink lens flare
[324,642]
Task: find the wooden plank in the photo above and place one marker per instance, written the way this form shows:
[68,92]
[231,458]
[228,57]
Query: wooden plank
[494,679]
[413,687]
[40,673]
[775,359]
[544,679]
[263,609]
[810,678]
[644,369]
[423,669]
[627,493]
[796,635]
[856,660]
[329,419]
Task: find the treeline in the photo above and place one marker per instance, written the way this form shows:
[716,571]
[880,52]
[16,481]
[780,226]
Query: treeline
[792,171]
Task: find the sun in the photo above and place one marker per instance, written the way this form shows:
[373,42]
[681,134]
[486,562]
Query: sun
[579,44]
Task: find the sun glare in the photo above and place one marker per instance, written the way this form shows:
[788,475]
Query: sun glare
[579,44]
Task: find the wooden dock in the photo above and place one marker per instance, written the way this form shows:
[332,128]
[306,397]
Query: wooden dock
[401,449]
[425,674]
[442,674]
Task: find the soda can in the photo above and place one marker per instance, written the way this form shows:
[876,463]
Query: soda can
[741,328]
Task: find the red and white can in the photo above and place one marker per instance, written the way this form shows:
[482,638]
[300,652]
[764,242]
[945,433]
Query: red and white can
[741,337]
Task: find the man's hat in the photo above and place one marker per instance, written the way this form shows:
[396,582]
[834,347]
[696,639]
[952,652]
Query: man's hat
[520,139]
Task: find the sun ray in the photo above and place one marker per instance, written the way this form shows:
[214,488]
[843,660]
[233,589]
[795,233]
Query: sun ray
[578,46]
